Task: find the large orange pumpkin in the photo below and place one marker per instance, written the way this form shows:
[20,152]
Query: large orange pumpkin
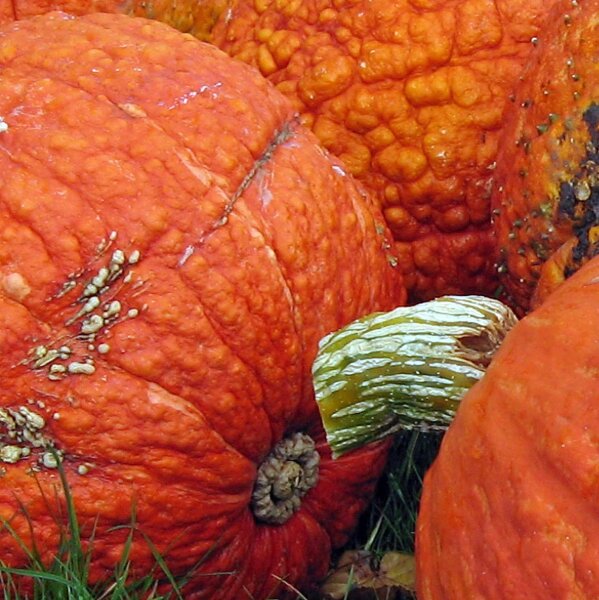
[546,200]
[509,508]
[172,247]
[410,95]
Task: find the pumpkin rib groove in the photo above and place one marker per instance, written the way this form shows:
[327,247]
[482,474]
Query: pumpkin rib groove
[284,134]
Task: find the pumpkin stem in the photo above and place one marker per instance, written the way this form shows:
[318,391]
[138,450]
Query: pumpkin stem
[405,369]
[284,477]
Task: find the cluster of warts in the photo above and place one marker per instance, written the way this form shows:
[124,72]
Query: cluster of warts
[97,310]
[22,437]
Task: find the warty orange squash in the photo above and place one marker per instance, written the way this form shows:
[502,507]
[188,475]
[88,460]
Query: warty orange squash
[190,16]
[410,95]
[173,244]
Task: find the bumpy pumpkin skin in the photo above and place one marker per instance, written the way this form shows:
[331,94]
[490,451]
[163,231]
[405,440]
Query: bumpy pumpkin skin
[409,94]
[235,243]
[546,200]
[189,16]
[509,508]
[11,10]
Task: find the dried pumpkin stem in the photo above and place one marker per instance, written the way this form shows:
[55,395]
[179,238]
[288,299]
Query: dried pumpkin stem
[405,369]
[284,477]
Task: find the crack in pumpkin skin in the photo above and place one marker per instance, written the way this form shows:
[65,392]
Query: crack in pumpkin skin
[545,216]
[278,138]
[229,333]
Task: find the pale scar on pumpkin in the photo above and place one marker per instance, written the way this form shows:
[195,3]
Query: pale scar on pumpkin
[96,310]
[158,395]
[16,287]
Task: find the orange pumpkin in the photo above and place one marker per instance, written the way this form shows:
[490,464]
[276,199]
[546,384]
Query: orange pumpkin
[173,244]
[410,95]
[191,16]
[546,201]
[11,10]
[509,507]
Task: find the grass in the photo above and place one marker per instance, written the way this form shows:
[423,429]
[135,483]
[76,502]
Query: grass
[67,576]
[388,526]
[390,521]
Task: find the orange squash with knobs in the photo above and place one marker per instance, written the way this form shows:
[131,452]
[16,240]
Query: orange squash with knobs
[173,244]
[196,17]
[410,96]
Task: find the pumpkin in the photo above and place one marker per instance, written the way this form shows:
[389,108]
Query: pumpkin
[191,16]
[509,507]
[410,95]
[173,244]
[11,10]
[546,200]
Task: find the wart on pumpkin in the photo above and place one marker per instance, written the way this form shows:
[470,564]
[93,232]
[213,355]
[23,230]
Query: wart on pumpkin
[16,286]
[21,434]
